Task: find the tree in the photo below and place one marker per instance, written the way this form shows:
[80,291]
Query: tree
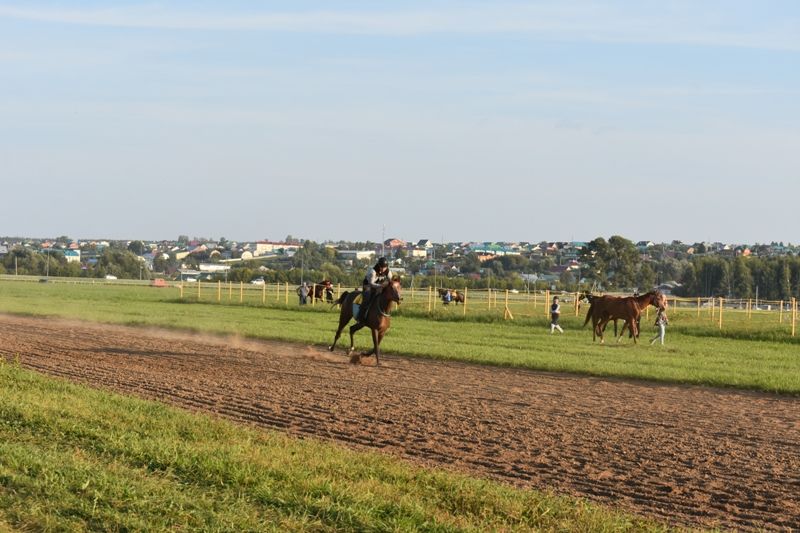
[646,278]
[137,247]
[742,278]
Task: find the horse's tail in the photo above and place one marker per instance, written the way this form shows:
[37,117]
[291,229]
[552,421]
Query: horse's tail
[588,316]
[340,300]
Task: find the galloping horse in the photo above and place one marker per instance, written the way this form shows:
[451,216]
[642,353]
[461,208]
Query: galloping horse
[378,320]
[629,309]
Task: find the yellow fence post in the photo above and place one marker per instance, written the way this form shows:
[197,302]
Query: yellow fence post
[794,314]
[647,313]
[198,289]
[430,299]
[507,312]
[712,308]
[286,292]
[749,308]
[313,294]
[464,310]
[338,290]
[181,287]
[577,310]
[241,291]
[780,314]
[230,291]
[546,299]
[219,291]
[698,307]
[721,301]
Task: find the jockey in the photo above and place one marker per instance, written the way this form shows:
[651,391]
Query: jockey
[373,282]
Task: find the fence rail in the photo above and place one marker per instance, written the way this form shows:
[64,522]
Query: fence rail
[510,304]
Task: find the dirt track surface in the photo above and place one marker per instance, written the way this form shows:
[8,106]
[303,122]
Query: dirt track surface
[688,455]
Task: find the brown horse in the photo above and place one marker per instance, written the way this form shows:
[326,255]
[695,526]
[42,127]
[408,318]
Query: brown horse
[595,317]
[629,309]
[379,317]
[455,296]
[322,290]
[594,313]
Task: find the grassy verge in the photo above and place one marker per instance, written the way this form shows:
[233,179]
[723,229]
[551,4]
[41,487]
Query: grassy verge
[746,355]
[77,459]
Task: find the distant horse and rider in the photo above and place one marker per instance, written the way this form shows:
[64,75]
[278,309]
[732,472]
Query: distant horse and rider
[451,295]
[603,309]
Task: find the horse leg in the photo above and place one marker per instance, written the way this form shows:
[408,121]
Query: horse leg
[622,331]
[601,328]
[376,341]
[342,323]
[355,327]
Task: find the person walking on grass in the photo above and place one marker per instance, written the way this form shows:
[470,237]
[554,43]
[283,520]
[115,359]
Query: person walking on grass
[555,313]
[661,324]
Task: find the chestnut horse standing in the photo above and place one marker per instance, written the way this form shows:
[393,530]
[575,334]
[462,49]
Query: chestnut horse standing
[378,320]
[629,309]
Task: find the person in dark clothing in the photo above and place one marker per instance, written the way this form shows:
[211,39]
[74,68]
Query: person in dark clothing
[374,279]
[555,314]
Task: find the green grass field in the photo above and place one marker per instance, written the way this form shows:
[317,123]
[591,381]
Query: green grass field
[77,459]
[756,353]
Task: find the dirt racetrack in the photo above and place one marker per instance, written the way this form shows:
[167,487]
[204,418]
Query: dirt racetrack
[688,455]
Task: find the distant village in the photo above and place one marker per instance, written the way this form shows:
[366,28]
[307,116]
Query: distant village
[212,259]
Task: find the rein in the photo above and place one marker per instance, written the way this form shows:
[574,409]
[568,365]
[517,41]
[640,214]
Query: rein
[388,306]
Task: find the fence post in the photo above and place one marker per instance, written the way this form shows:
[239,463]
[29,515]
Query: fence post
[430,299]
[794,314]
[577,310]
[230,291]
[507,312]
[464,310]
[721,301]
[313,293]
[219,291]
[546,299]
[241,291]
[780,314]
[749,308]
[698,307]
[181,286]
[712,308]
[286,292]
[198,288]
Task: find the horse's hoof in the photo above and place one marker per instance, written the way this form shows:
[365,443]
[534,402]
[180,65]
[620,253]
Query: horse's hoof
[330,348]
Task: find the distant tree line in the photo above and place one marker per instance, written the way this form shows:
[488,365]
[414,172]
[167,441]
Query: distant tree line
[615,264]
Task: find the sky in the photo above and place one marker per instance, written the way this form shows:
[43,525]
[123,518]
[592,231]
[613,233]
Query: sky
[358,120]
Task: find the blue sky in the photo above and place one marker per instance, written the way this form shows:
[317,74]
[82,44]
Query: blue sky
[457,120]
